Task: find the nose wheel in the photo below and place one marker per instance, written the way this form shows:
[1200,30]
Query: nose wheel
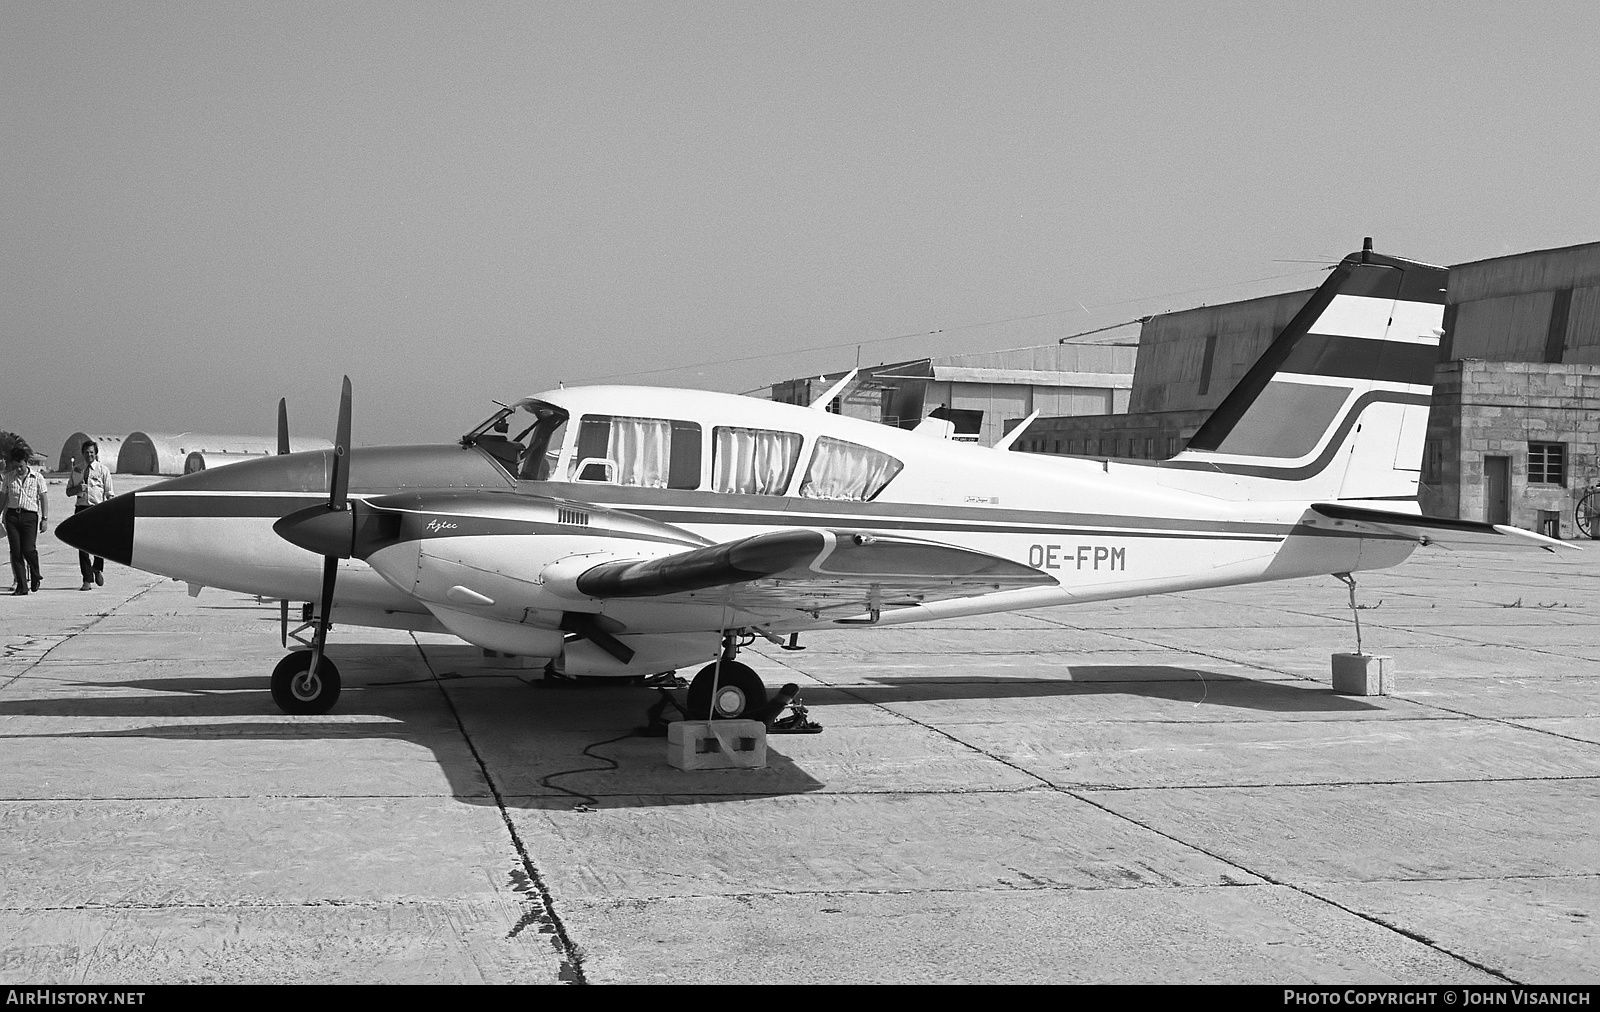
[296,690]
[734,693]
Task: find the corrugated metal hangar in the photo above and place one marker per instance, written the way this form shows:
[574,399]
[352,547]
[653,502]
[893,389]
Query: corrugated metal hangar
[177,452]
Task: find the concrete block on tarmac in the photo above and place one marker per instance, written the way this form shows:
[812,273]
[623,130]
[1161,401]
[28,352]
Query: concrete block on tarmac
[717,745]
[1363,674]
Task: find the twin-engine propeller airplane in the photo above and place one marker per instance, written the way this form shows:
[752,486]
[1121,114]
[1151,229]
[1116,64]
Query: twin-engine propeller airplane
[628,531]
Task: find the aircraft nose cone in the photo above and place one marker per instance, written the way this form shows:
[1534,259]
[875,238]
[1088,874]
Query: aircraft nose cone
[105,530]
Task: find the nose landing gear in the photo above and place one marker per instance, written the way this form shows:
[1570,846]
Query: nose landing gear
[296,690]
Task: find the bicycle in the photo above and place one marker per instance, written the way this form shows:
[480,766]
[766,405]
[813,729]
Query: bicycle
[1586,516]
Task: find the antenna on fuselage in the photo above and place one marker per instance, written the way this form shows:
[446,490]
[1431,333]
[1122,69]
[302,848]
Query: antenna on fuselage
[821,403]
[1006,440]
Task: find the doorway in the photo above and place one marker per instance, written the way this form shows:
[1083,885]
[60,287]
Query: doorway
[1497,489]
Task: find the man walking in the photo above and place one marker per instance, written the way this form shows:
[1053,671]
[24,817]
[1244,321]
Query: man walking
[27,512]
[91,483]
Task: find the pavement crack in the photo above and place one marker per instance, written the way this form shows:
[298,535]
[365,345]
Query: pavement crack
[1304,890]
[526,880]
[99,617]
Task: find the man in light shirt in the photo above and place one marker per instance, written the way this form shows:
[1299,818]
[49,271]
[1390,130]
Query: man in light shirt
[91,483]
[27,512]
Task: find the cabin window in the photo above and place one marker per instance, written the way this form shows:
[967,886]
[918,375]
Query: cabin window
[753,461]
[646,452]
[841,470]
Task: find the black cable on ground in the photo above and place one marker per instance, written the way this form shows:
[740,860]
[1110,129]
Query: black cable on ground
[587,802]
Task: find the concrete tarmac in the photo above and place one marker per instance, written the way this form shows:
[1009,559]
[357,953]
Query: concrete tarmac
[1163,790]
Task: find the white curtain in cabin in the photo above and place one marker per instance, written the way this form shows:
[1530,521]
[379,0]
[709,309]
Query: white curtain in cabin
[752,461]
[642,450]
[841,470]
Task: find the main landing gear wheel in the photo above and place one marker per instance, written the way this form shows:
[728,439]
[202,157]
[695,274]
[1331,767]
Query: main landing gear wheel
[295,691]
[740,693]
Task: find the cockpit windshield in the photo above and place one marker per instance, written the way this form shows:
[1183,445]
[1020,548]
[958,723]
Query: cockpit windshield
[530,454]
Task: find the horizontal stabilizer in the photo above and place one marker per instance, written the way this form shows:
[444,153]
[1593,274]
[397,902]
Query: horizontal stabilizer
[1438,530]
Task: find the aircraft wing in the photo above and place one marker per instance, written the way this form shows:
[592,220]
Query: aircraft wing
[816,571]
[1437,530]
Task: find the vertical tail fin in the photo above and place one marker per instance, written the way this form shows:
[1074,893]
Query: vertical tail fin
[1337,406]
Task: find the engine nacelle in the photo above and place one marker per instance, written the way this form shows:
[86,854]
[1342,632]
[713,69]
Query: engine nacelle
[487,554]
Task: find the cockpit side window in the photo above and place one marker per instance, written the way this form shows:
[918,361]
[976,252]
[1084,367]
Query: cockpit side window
[843,470]
[753,461]
[545,439]
[647,452]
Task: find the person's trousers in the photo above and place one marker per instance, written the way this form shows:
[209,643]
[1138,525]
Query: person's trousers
[22,534]
[88,564]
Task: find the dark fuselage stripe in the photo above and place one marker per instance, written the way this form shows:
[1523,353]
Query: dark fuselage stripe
[221,504]
[910,520]
[244,505]
[788,511]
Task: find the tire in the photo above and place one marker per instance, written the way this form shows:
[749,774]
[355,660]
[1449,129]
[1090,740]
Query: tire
[740,693]
[291,693]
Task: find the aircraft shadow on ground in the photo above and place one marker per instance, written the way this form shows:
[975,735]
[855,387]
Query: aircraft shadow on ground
[544,748]
[548,744]
[1179,684]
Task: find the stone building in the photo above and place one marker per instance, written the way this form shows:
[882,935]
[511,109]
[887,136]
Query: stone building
[1515,425]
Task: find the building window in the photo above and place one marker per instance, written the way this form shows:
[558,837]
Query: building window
[1547,463]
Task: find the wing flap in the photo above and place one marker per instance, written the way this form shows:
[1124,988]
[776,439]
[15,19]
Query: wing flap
[1444,531]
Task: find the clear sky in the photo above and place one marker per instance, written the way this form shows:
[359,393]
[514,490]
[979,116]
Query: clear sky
[207,206]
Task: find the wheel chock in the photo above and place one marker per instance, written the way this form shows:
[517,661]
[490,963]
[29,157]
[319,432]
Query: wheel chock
[717,744]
